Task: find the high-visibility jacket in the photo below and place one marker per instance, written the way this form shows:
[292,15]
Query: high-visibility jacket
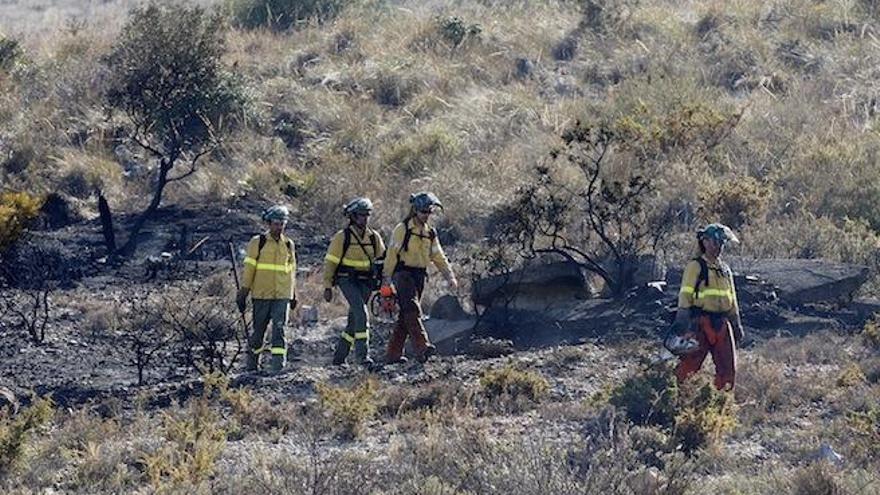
[361,252]
[423,248]
[716,296]
[270,273]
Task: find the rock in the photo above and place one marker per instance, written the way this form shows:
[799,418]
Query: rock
[489,348]
[448,307]
[805,281]
[449,335]
[826,453]
[537,286]
[8,401]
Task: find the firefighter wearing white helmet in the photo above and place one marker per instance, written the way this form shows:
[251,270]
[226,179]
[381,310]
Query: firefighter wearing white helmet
[708,311]
[413,246]
[352,257]
[269,276]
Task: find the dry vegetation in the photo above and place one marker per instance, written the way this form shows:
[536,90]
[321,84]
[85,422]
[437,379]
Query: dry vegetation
[380,97]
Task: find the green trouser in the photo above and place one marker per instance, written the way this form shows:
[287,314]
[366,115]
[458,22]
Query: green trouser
[357,331]
[276,311]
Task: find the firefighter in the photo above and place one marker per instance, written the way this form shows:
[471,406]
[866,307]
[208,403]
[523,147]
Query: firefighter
[708,311]
[270,278]
[413,246]
[351,264]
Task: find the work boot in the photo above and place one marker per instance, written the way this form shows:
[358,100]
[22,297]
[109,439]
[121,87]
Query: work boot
[367,362]
[430,350]
[399,360]
[342,349]
[277,362]
[251,362]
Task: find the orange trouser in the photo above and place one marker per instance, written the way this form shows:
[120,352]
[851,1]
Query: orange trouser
[409,284]
[717,339]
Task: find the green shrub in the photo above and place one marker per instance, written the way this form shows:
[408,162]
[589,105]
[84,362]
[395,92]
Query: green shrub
[648,398]
[15,430]
[283,14]
[192,440]
[871,332]
[17,210]
[736,202]
[703,415]
[864,428]
[422,152]
[851,376]
[347,409]
[456,31]
[515,388]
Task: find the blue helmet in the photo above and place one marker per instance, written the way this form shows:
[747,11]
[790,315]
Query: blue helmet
[277,212]
[424,201]
[719,232]
[358,205]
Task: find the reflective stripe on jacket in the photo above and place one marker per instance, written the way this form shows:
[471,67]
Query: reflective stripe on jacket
[270,273]
[357,257]
[718,296]
[421,250]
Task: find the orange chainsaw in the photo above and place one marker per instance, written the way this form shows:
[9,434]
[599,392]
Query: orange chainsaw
[383,304]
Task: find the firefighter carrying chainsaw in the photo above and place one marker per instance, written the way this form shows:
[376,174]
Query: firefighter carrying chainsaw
[413,246]
[708,319]
[353,263]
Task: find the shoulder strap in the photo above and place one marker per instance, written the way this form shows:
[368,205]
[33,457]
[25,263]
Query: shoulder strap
[703,277]
[406,235]
[346,242]
[261,245]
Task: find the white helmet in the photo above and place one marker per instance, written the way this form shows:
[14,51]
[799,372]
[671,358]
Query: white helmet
[681,345]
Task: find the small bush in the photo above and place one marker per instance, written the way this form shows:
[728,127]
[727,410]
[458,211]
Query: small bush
[15,431]
[283,14]
[817,479]
[456,31]
[423,152]
[851,376]
[17,210]
[871,332]
[347,409]
[514,388]
[192,440]
[648,398]
[703,415]
[736,202]
[864,429]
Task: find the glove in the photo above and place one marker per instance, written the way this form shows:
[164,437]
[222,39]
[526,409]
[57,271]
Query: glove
[293,302]
[328,295]
[241,299]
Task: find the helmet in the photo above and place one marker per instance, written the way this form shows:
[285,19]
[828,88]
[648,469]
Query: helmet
[681,345]
[277,212]
[719,232]
[358,205]
[424,201]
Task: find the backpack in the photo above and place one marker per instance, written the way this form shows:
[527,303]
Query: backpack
[346,243]
[432,234]
[263,243]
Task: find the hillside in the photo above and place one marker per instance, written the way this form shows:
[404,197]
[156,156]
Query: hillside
[761,115]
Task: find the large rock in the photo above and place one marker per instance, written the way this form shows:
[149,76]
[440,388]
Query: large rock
[805,281]
[448,307]
[450,336]
[537,287]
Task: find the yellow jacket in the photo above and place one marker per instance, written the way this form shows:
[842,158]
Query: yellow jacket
[270,273]
[423,249]
[361,252]
[718,296]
